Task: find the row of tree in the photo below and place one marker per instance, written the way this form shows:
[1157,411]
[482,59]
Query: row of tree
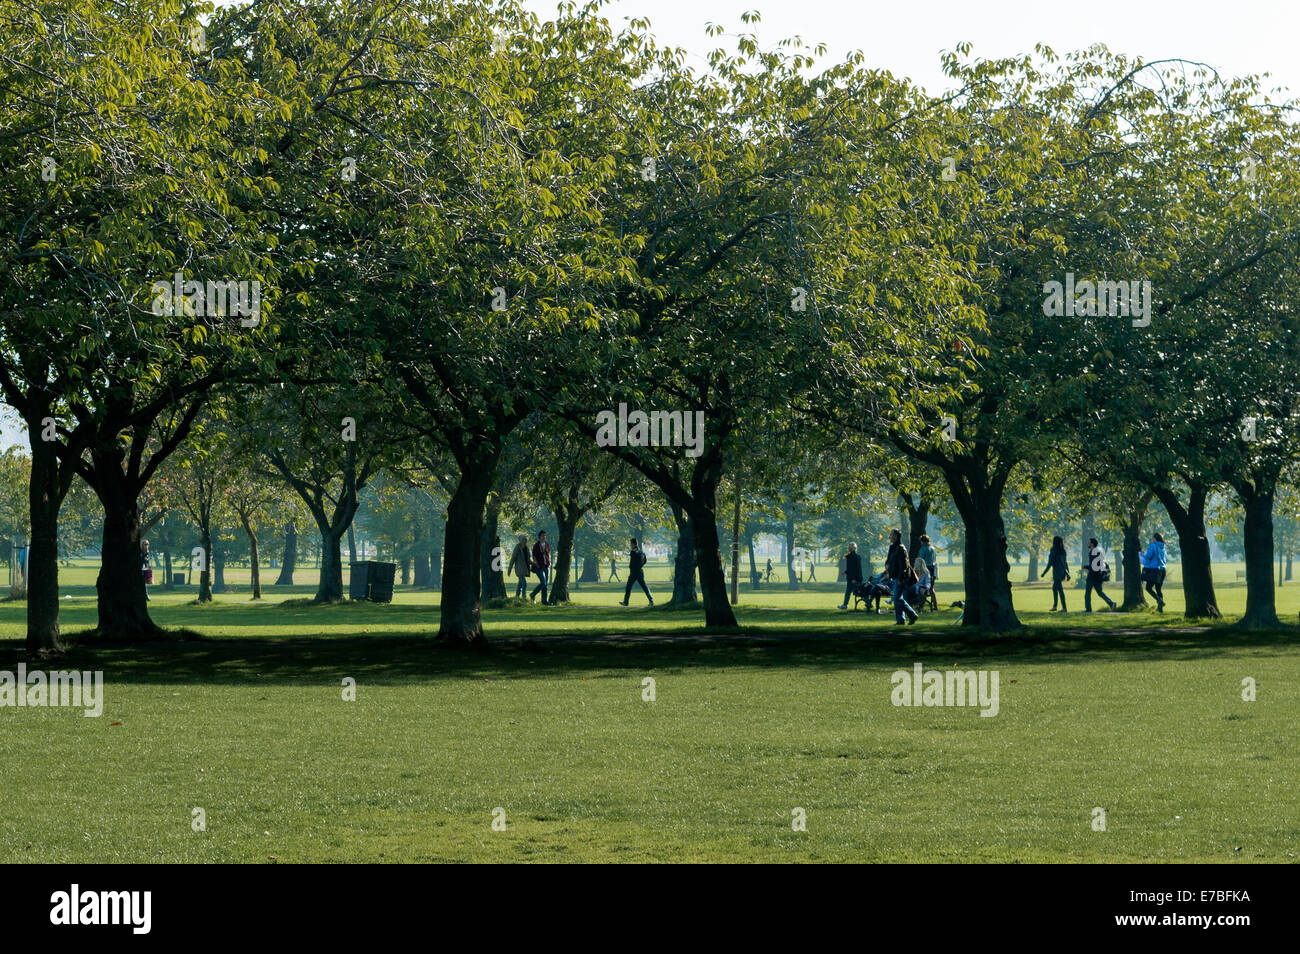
[470,232]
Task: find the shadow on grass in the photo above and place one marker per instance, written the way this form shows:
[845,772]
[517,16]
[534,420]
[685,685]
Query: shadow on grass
[395,659]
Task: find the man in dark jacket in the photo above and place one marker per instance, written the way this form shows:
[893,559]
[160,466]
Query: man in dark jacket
[852,573]
[636,573]
[541,566]
[899,570]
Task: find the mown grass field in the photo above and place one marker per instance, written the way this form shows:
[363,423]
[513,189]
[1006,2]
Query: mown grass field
[1134,713]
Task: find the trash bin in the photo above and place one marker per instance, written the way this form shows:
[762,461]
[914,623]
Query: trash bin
[178,579]
[359,580]
[371,580]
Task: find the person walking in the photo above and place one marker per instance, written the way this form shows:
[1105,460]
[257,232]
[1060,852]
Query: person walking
[613,571]
[852,573]
[812,568]
[636,573]
[768,577]
[541,566]
[1060,573]
[899,570]
[519,560]
[931,559]
[145,569]
[1153,570]
[1098,572]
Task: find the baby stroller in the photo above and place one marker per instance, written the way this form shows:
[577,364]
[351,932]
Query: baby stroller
[871,590]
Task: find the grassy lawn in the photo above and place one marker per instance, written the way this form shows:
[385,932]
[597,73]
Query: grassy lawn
[1142,717]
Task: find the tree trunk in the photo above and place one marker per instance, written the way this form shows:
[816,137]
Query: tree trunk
[1134,597]
[255,573]
[1189,522]
[1088,531]
[987,601]
[1033,561]
[493,578]
[792,583]
[123,612]
[590,564]
[684,564]
[753,560]
[219,572]
[918,519]
[352,543]
[735,550]
[167,568]
[460,621]
[45,495]
[708,557]
[205,575]
[421,569]
[435,568]
[1288,567]
[330,588]
[1261,599]
[406,570]
[566,519]
[290,555]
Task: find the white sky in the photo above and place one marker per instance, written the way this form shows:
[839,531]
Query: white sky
[906,38]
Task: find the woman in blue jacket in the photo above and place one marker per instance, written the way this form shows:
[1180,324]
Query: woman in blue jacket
[1153,570]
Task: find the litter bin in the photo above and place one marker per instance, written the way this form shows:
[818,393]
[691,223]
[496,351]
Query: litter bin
[371,580]
[359,579]
[178,579]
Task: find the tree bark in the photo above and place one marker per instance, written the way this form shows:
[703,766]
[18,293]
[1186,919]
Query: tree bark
[219,572]
[1134,597]
[255,573]
[205,575]
[421,569]
[1033,561]
[735,550]
[708,557]
[1261,598]
[46,490]
[167,568]
[590,564]
[791,582]
[493,578]
[566,519]
[123,611]
[406,570]
[460,620]
[290,555]
[352,543]
[435,568]
[1194,545]
[987,601]
[684,564]
[330,588]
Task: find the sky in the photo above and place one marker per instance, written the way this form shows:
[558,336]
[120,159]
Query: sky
[906,38]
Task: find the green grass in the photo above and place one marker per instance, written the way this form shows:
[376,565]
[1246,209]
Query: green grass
[1143,717]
